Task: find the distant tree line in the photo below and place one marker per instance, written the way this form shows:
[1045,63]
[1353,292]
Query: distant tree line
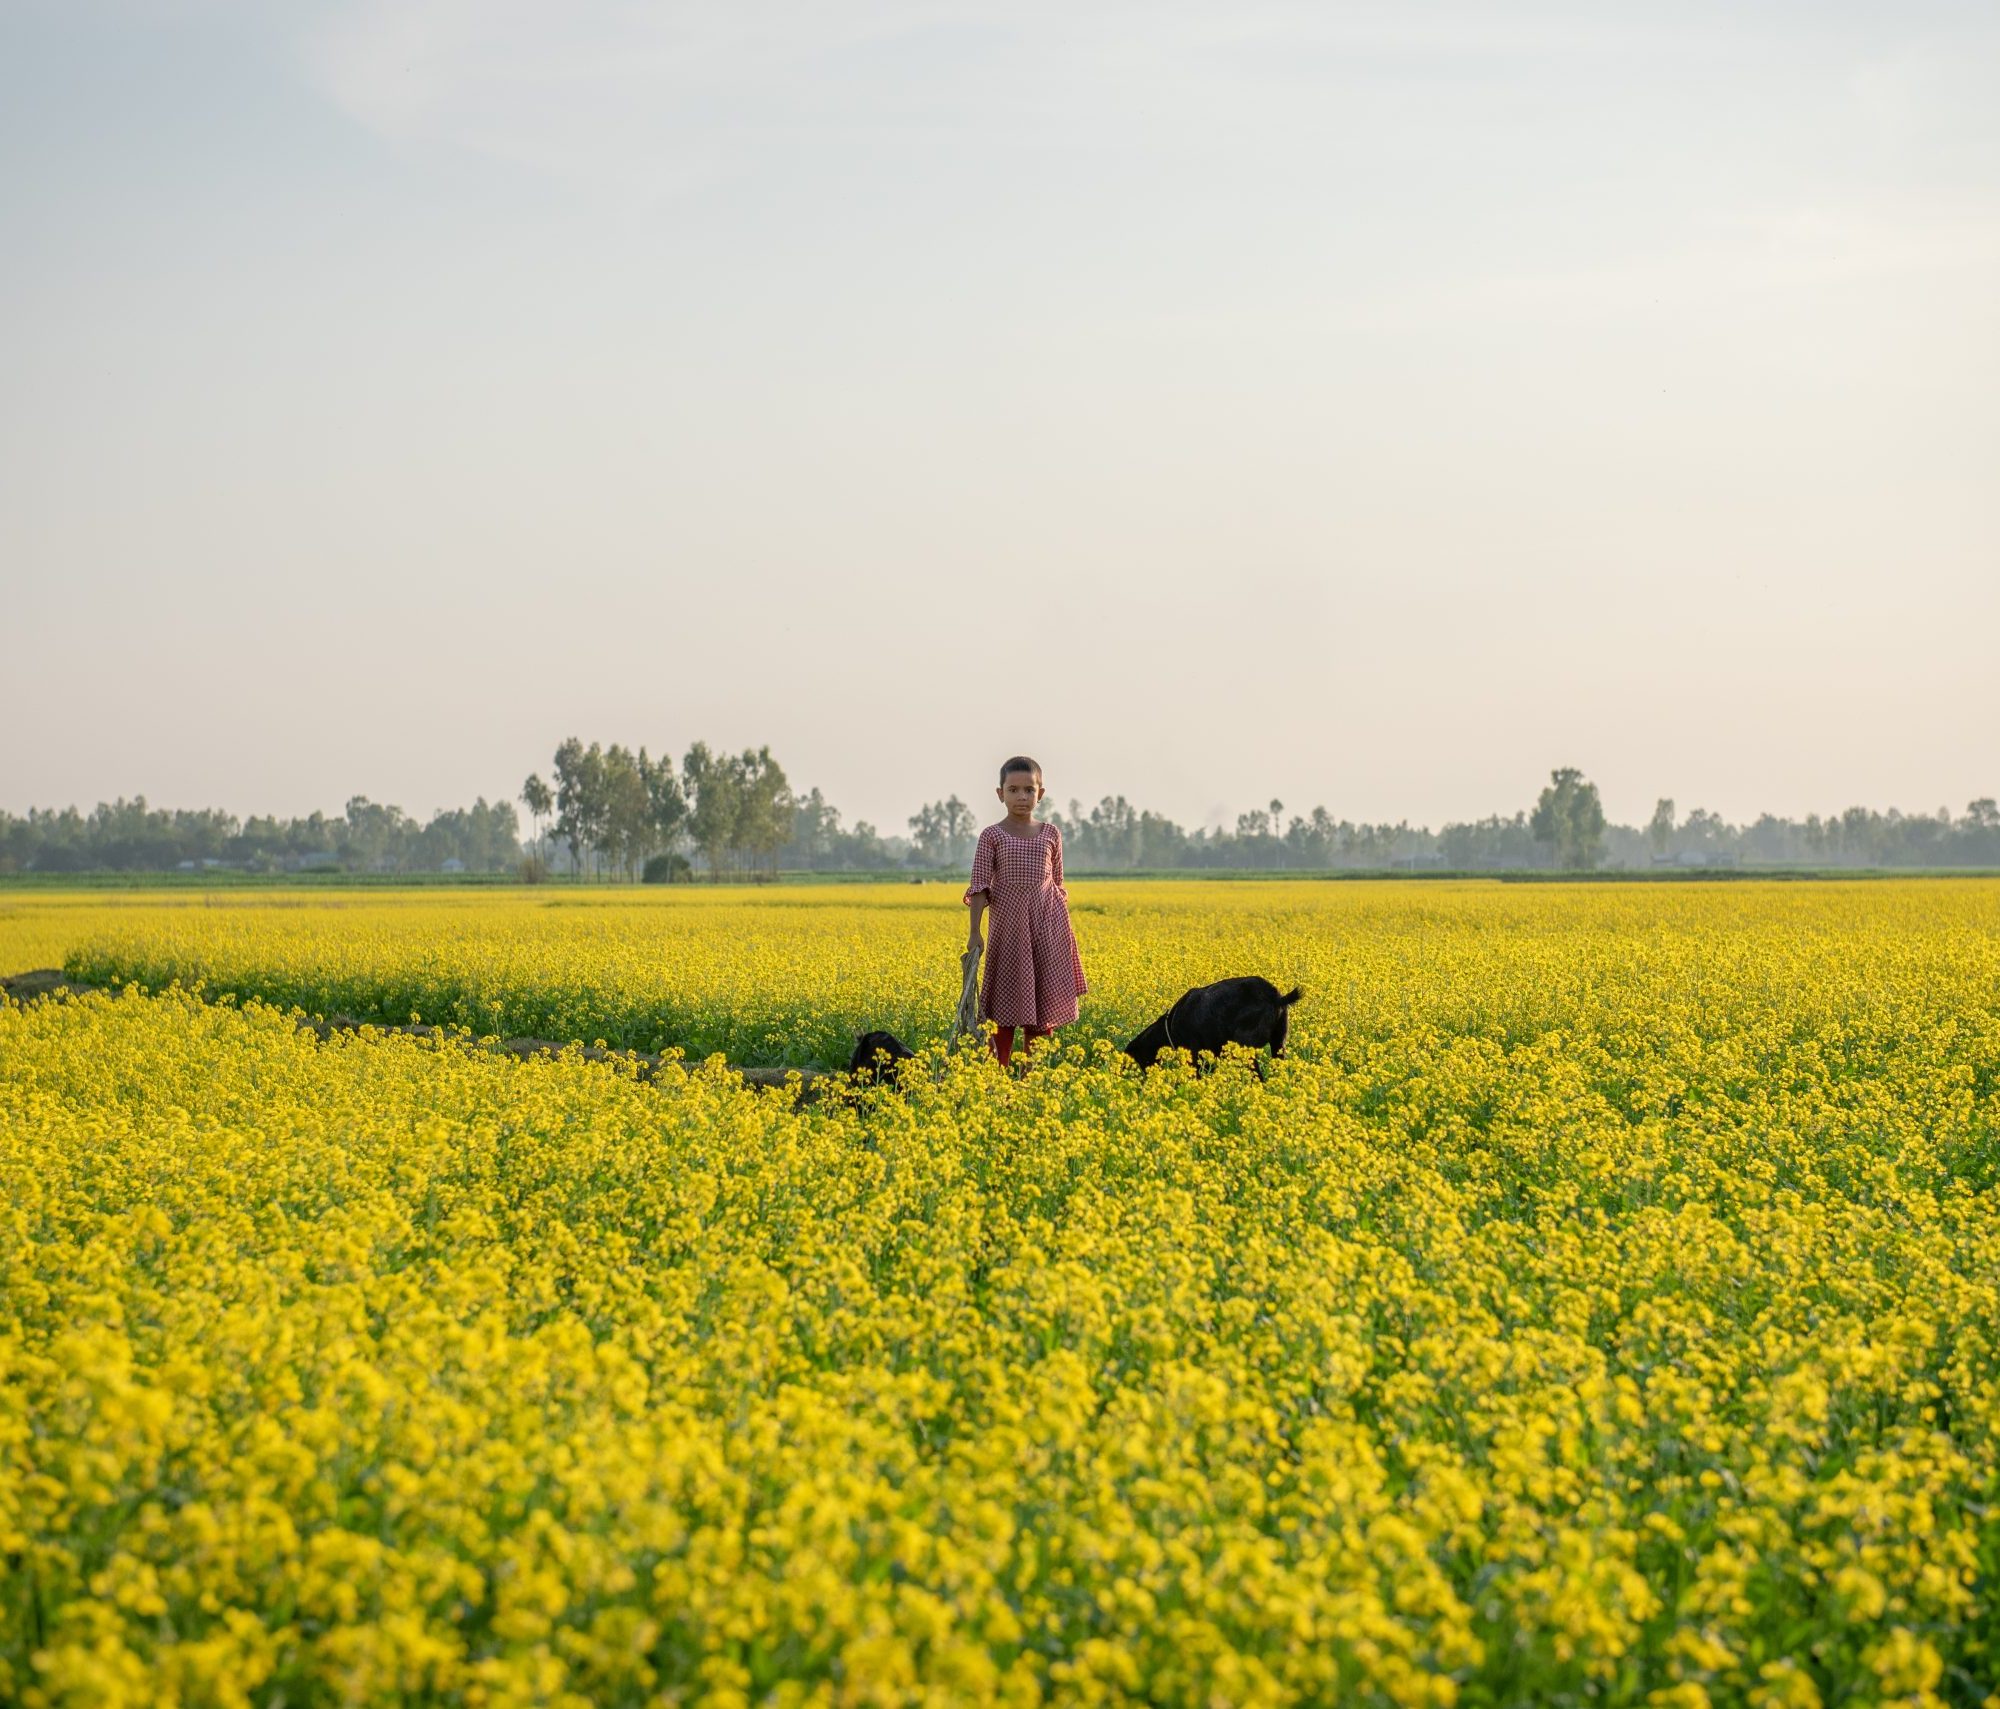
[1859,837]
[736,815]
[1566,829]
[616,813]
[619,813]
[130,836]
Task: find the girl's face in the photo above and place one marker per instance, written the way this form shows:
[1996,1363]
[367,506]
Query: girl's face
[1019,791]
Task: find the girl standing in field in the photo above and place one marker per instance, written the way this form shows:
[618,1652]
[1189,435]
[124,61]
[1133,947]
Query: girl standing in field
[1033,975]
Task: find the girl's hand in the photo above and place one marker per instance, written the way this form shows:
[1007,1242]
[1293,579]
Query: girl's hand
[974,940]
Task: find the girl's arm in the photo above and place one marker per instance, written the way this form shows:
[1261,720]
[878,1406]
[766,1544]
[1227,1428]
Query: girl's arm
[1056,830]
[985,861]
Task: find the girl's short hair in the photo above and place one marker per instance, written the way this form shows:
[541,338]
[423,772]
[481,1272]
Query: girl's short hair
[1020,762]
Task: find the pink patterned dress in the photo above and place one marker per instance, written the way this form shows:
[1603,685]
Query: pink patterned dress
[1033,973]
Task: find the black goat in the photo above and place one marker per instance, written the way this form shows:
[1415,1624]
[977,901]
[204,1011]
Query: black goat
[1249,1012]
[867,1066]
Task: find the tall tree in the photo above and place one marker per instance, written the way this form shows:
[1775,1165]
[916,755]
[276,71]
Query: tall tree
[960,831]
[815,829]
[1705,831]
[540,804]
[580,805]
[715,795]
[378,838]
[1660,828]
[1111,833]
[666,801]
[943,832]
[1569,818]
[928,833]
[628,812]
[764,806]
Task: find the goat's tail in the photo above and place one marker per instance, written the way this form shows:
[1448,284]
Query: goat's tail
[1291,996]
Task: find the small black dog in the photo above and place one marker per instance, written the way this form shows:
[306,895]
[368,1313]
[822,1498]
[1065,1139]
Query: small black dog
[1247,1011]
[867,1067]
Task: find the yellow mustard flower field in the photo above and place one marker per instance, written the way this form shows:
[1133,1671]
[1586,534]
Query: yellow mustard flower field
[1599,1305]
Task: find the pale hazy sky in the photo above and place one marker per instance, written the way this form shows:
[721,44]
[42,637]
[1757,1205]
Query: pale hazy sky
[1369,404]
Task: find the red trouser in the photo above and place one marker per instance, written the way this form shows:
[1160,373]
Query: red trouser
[1003,1041]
